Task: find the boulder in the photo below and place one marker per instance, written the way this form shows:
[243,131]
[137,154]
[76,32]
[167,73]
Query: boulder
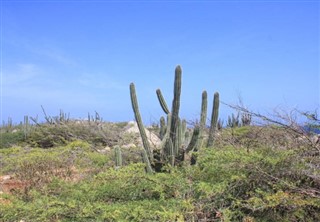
[132,127]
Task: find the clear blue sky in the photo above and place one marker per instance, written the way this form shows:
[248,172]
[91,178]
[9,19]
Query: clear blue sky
[81,56]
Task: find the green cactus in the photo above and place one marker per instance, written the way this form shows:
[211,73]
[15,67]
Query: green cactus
[162,127]
[175,104]
[183,131]
[174,134]
[118,156]
[169,152]
[166,136]
[137,115]
[234,121]
[162,102]
[203,118]
[196,139]
[214,119]
[26,126]
[178,142]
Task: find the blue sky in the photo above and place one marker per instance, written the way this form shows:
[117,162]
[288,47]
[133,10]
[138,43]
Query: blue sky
[81,56]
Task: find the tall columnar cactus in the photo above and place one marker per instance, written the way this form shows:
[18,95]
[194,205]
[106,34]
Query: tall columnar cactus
[203,118]
[197,137]
[214,119]
[174,140]
[26,126]
[175,104]
[135,107]
[118,157]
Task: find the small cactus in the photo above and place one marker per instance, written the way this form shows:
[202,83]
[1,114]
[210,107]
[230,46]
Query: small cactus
[118,157]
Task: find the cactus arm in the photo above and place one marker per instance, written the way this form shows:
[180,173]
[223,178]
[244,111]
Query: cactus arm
[137,115]
[162,102]
[193,142]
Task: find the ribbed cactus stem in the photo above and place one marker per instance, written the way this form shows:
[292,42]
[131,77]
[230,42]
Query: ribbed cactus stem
[162,102]
[186,138]
[118,156]
[194,139]
[166,135]
[175,103]
[162,127]
[214,119]
[26,126]
[183,130]
[178,142]
[204,105]
[203,118]
[169,154]
[137,115]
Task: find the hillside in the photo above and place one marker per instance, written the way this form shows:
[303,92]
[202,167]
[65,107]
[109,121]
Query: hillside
[71,171]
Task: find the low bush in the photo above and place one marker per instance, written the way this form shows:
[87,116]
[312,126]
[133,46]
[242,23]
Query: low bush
[266,184]
[8,139]
[128,194]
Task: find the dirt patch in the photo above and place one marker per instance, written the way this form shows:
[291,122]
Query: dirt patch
[8,184]
[4,201]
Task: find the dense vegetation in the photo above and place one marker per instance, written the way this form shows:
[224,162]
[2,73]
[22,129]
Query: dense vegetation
[252,173]
[72,170]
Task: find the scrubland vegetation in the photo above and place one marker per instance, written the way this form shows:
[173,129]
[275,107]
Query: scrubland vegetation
[252,173]
[84,170]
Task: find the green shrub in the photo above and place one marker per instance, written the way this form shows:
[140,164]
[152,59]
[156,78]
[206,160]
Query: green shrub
[264,184]
[272,181]
[128,194]
[8,139]
[31,163]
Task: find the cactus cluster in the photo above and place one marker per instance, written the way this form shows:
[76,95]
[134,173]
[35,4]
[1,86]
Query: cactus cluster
[173,131]
[241,119]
